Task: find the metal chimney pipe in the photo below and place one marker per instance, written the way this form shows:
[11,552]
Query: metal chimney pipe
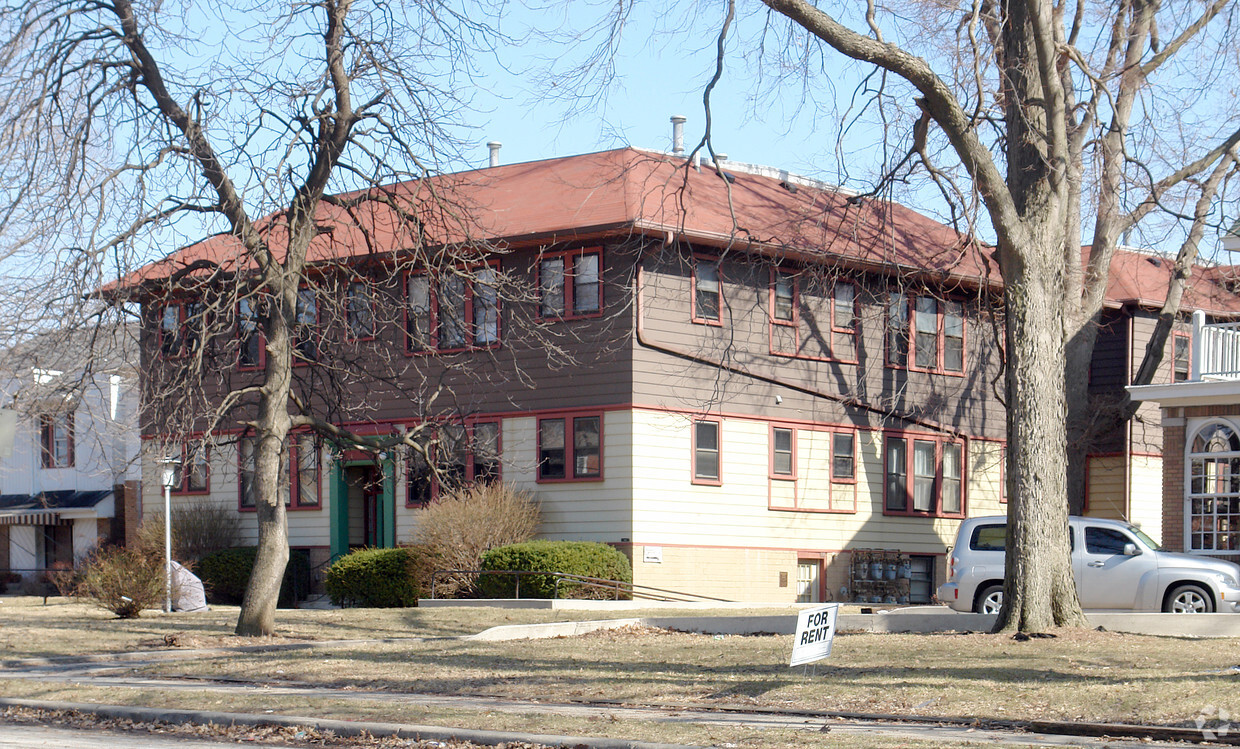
[678,134]
[495,146]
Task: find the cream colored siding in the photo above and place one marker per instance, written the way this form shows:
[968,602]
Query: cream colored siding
[1146,488]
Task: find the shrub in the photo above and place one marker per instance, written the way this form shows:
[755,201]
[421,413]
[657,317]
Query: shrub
[123,580]
[226,573]
[584,558]
[459,527]
[375,578]
[199,527]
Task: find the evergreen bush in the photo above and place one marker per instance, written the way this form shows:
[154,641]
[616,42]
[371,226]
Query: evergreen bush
[583,558]
[374,578]
[226,573]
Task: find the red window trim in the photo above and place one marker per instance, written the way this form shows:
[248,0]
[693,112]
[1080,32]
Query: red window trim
[467,319]
[348,311]
[294,476]
[938,440]
[569,446]
[910,364]
[182,350]
[258,332]
[693,290]
[792,446]
[317,340]
[47,440]
[853,434]
[1175,335]
[693,475]
[776,272]
[471,469]
[570,258]
[184,489]
[852,329]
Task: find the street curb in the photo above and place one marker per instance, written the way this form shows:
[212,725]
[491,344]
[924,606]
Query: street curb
[339,727]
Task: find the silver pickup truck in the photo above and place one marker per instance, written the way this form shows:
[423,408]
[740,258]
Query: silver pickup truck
[1117,567]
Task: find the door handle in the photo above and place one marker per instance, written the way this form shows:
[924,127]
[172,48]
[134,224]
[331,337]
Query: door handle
[1097,564]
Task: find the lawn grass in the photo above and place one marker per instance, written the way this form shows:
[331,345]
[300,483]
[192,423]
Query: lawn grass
[1079,675]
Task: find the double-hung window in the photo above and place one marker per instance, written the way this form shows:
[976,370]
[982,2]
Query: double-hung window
[844,322]
[56,437]
[305,331]
[706,451]
[303,488]
[455,456]
[923,475]
[360,310]
[192,475]
[454,312]
[932,341]
[570,448]
[180,328]
[1181,357]
[251,349]
[783,453]
[570,284]
[707,291]
[783,298]
[843,457]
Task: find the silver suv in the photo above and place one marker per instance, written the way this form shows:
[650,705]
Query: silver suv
[1116,567]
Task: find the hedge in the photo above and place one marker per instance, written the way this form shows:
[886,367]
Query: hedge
[225,575]
[374,578]
[584,558]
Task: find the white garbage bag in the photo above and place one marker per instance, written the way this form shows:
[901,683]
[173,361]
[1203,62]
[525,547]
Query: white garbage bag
[187,591]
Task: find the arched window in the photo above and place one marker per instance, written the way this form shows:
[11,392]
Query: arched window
[1213,505]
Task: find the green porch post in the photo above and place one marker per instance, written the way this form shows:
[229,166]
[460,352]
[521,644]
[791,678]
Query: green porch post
[338,494]
[387,505]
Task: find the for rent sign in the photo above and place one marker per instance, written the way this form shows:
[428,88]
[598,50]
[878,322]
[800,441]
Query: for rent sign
[815,631]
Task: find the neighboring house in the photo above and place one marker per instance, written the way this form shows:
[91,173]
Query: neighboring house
[72,466]
[776,381]
[1201,445]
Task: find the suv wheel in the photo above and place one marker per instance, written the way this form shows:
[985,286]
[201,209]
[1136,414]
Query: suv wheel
[989,601]
[1188,599]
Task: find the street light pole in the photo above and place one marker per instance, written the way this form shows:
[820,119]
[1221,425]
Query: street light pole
[168,477]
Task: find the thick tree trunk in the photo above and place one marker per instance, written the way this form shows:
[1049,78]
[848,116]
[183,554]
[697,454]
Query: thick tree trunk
[1039,592]
[258,608]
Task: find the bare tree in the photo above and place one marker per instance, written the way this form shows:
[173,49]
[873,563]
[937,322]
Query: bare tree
[292,131]
[1056,113]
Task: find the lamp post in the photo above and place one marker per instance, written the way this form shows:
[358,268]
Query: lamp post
[168,478]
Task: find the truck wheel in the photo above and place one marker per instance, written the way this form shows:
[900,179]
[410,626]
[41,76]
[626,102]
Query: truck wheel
[989,600]
[1188,599]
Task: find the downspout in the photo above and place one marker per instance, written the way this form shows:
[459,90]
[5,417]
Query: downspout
[734,369]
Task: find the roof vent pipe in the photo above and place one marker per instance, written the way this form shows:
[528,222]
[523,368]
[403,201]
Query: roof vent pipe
[720,158]
[678,134]
[494,146]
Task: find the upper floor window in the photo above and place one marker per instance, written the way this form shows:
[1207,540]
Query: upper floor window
[843,456]
[460,311]
[707,291]
[1181,357]
[192,475]
[56,437]
[251,350]
[360,310]
[923,476]
[570,448]
[179,328]
[844,322]
[569,284]
[305,333]
[935,342]
[783,297]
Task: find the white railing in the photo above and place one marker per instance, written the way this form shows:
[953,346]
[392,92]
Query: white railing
[1216,349]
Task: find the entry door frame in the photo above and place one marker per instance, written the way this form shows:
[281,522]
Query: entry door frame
[338,497]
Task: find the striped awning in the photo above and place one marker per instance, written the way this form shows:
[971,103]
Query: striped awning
[29,517]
